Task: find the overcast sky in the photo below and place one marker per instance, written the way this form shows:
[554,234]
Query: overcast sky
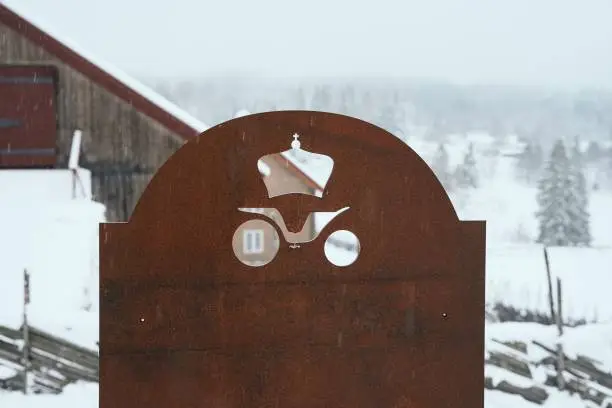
[565,43]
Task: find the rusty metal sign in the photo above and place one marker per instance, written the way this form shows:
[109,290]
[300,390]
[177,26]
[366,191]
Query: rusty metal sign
[293,259]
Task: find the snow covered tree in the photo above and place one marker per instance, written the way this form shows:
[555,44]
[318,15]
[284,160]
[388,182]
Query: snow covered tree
[562,198]
[529,162]
[466,174]
[594,152]
[390,119]
[321,99]
[579,231]
[441,167]
[347,100]
[553,199]
[299,100]
[610,166]
[521,234]
[366,105]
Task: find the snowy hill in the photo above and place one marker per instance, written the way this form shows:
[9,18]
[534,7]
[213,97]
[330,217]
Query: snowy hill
[507,205]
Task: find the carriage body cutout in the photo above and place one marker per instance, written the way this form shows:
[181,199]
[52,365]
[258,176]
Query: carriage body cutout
[295,238]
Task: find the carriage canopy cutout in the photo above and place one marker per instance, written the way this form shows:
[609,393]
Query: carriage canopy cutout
[318,166]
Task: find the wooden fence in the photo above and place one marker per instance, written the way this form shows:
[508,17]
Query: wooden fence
[582,375]
[53,362]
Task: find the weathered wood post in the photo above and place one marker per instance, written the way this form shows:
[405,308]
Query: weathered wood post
[25,329]
[184,323]
[551,302]
[560,352]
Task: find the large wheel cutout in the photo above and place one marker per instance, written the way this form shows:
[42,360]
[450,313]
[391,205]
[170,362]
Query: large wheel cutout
[342,248]
[255,243]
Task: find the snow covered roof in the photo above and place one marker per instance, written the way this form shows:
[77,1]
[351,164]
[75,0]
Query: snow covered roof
[317,175]
[26,22]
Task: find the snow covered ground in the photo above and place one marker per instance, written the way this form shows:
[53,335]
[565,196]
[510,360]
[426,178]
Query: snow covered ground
[516,276]
[586,340]
[498,399]
[52,232]
[74,396]
[57,244]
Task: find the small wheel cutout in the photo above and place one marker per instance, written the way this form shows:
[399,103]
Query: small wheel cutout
[255,243]
[342,248]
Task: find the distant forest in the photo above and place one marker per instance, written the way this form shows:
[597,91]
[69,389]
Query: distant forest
[406,108]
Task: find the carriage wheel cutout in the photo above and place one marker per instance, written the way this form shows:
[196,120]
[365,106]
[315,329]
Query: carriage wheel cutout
[255,243]
[342,248]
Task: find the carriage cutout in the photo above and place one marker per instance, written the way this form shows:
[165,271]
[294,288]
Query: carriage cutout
[255,232]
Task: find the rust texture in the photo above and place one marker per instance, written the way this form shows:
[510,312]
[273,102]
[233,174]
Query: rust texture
[185,324]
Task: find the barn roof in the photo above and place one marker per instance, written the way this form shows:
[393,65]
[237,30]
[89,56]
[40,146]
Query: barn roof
[303,169]
[104,74]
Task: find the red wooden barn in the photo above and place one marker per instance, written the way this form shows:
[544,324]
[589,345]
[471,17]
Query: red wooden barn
[49,88]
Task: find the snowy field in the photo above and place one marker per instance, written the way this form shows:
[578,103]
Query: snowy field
[74,396]
[516,276]
[57,244]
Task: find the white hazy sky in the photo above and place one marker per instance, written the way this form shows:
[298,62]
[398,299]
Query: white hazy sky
[565,43]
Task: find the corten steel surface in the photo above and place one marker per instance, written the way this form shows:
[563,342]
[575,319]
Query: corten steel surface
[28,124]
[185,324]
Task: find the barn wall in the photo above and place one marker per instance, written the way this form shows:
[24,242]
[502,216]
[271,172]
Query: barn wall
[116,137]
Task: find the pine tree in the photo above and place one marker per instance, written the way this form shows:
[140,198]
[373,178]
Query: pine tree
[529,162]
[299,100]
[538,159]
[389,119]
[440,167]
[594,152]
[609,166]
[579,229]
[466,175]
[321,99]
[347,100]
[554,199]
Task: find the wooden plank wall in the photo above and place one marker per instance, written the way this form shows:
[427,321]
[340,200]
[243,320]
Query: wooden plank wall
[113,131]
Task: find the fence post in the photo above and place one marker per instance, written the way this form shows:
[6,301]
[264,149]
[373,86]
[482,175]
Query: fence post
[26,331]
[560,356]
[551,302]
[73,163]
